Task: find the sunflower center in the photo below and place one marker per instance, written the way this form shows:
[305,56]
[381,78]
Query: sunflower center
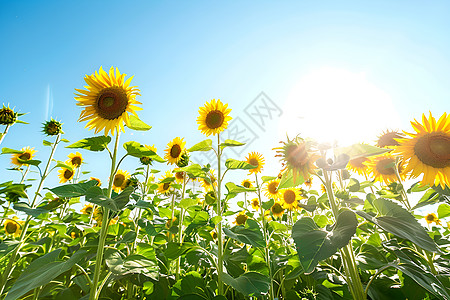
[277,209]
[430,218]
[253,161]
[255,203]
[68,174]
[434,150]
[214,119]
[296,155]
[386,166]
[11,227]
[272,187]
[240,219]
[112,102]
[289,196]
[387,139]
[358,162]
[119,180]
[76,161]
[166,186]
[179,175]
[247,184]
[25,156]
[175,151]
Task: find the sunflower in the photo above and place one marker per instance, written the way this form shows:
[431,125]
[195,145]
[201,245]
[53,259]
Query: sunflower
[98,216]
[66,174]
[277,209]
[298,156]
[241,218]
[120,180]
[388,139]
[180,176]
[271,189]
[20,159]
[257,160]
[428,150]
[107,100]
[213,117]
[382,168]
[289,198]
[357,165]
[99,183]
[7,116]
[12,227]
[87,209]
[175,150]
[430,218]
[164,187]
[76,159]
[52,127]
[247,183]
[207,183]
[308,182]
[146,160]
[255,204]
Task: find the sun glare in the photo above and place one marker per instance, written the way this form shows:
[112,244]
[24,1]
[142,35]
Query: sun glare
[332,104]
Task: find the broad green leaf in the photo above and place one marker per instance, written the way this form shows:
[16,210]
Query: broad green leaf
[249,284]
[267,178]
[132,264]
[175,250]
[234,164]
[41,271]
[249,234]
[95,195]
[205,145]
[25,207]
[11,151]
[73,190]
[14,190]
[353,185]
[268,204]
[230,143]
[232,188]
[60,164]
[46,143]
[430,197]
[360,150]
[287,180]
[443,210]
[137,150]
[137,124]
[191,285]
[187,202]
[96,143]
[194,169]
[315,244]
[33,162]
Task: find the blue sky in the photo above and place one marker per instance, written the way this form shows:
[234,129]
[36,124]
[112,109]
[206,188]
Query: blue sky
[350,68]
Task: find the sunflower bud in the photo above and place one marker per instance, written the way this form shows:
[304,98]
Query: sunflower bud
[130,182]
[52,127]
[184,160]
[210,198]
[145,160]
[7,116]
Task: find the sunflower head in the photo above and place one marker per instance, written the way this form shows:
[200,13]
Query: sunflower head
[209,181]
[382,167]
[308,182]
[255,204]
[180,176]
[257,160]
[99,183]
[427,151]
[98,216]
[271,189]
[214,117]
[19,159]
[213,234]
[388,139]
[277,209]
[175,150]
[184,160]
[120,180]
[12,227]
[76,159]
[132,181]
[87,209]
[247,183]
[7,116]
[430,218]
[241,218]
[357,165]
[52,127]
[66,174]
[165,184]
[289,198]
[298,156]
[108,100]
[146,160]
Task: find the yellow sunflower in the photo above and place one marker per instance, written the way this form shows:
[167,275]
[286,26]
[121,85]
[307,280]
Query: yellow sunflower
[76,159]
[430,218]
[255,159]
[388,139]
[66,174]
[247,183]
[146,160]
[120,180]
[20,159]
[12,227]
[99,183]
[428,150]
[241,218]
[213,117]
[255,204]
[357,165]
[87,209]
[208,184]
[180,176]
[382,168]
[298,156]
[277,209]
[175,150]
[308,182]
[289,198]
[271,189]
[107,101]
[164,187]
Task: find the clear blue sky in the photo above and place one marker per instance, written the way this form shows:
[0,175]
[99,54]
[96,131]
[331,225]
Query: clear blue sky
[184,53]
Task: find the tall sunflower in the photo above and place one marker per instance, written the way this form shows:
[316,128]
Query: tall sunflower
[427,150]
[120,180]
[180,176]
[255,159]
[209,181]
[66,174]
[76,159]
[382,168]
[430,218]
[271,189]
[214,117]
[107,101]
[289,198]
[357,165]
[19,159]
[175,150]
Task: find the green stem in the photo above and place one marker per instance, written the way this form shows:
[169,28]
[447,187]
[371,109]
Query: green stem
[180,227]
[2,136]
[219,226]
[94,294]
[373,278]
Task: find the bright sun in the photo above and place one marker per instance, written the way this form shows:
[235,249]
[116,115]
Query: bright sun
[337,105]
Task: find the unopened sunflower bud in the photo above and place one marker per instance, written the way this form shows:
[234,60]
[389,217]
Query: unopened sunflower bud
[7,116]
[52,127]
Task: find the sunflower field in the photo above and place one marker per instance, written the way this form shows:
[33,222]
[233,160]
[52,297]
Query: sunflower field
[334,223]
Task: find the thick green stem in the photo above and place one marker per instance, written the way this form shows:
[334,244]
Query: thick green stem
[219,225]
[2,136]
[180,226]
[94,294]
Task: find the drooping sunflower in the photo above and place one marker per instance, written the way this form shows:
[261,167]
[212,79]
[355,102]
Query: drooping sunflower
[255,203]
[19,159]
[214,117]
[277,209]
[289,198]
[271,189]
[241,218]
[107,101]
[381,167]
[87,209]
[298,156]
[175,150]
[146,160]
[255,159]
[430,218]
[247,183]
[164,187]
[357,165]
[76,159]
[120,180]
[12,227]
[428,150]
[66,174]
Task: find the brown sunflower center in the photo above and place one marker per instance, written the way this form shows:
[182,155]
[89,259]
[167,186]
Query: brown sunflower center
[434,150]
[240,219]
[255,203]
[277,209]
[76,161]
[289,197]
[25,156]
[386,166]
[119,180]
[166,186]
[68,174]
[358,162]
[246,184]
[214,119]
[387,139]
[430,218]
[11,227]
[272,187]
[296,155]
[253,161]
[175,151]
[112,102]
[179,175]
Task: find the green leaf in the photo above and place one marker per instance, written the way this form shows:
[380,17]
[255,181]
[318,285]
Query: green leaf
[430,197]
[132,264]
[230,143]
[237,164]
[137,150]
[194,170]
[95,195]
[205,145]
[96,143]
[398,221]
[137,124]
[249,234]
[175,250]
[191,285]
[46,143]
[25,207]
[73,190]
[248,284]
[314,244]
[232,188]
[187,202]
[287,180]
[41,271]
[267,178]
[353,185]
[359,150]
[443,210]
[11,151]
[33,162]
